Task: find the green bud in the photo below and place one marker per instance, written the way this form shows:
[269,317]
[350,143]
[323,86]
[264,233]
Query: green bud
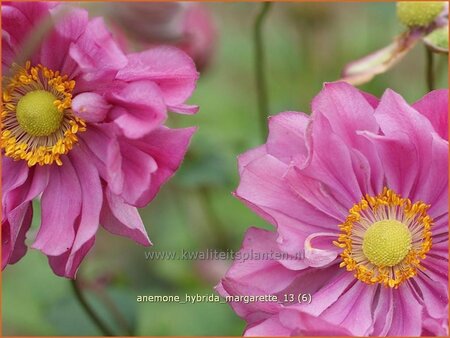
[419,13]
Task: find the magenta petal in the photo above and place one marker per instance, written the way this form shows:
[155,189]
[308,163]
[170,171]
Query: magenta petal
[169,67]
[434,106]
[96,53]
[68,26]
[14,230]
[434,295]
[91,107]
[407,319]
[167,148]
[60,210]
[139,108]
[383,312]
[270,327]
[287,133]
[122,219]
[88,221]
[67,264]
[304,324]
[137,168]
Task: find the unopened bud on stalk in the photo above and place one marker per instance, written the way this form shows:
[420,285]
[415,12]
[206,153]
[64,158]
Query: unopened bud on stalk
[419,13]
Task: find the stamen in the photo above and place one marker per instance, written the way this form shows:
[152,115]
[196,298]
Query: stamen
[43,142]
[364,243]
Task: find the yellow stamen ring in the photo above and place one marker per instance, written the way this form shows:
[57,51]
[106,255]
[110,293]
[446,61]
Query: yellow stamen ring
[385,238]
[37,122]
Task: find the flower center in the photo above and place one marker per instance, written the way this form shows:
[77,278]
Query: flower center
[37,114]
[386,243]
[419,13]
[384,238]
[37,122]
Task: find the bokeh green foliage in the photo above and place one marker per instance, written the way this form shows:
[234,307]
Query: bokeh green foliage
[306,44]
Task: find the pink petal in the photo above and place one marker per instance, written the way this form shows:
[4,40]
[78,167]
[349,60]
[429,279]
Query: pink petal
[91,107]
[60,204]
[384,312]
[304,324]
[88,221]
[434,106]
[170,68]
[287,133]
[167,147]
[139,108]
[270,327]
[122,219]
[14,229]
[347,111]
[407,319]
[96,53]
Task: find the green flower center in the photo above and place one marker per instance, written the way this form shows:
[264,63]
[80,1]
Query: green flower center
[37,114]
[419,13]
[386,243]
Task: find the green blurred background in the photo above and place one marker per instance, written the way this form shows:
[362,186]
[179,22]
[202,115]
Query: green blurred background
[306,44]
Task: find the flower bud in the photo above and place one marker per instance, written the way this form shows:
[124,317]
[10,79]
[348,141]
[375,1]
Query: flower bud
[419,13]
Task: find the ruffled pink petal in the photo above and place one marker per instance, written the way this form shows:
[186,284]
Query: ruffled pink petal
[60,204]
[96,52]
[100,140]
[67,264]
[434,106]
[262,187]
[418,142]
[303,324]
[166,147]
[68,26]
[89,218]
[347,111]
[91,107]
[287,133]
[170,68]
[252,276]
[19,19]
[139,108]
[14,229]
[122,219]
[17,208]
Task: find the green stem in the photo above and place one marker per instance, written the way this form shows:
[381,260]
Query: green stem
[430,69]
[89,310]
[261,86]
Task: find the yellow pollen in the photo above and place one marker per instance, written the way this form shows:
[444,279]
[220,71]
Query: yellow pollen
[384,239]
[386,243]
[37,122]
[37,113]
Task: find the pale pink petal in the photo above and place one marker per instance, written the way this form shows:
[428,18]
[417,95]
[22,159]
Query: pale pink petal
[91,107]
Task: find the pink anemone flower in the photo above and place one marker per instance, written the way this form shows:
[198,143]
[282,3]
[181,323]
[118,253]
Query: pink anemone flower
[358,194]
[83,130]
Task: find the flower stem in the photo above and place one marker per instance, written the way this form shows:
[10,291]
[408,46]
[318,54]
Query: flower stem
[430,69]
[89,310]
[261,86]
